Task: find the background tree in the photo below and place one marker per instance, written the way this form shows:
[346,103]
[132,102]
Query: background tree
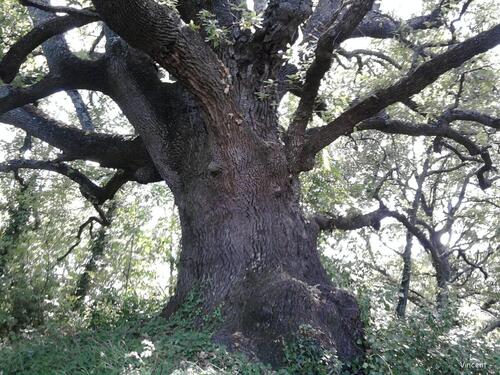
[212,133]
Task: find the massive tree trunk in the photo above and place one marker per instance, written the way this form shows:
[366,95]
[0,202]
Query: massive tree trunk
[245,240]
[247,245]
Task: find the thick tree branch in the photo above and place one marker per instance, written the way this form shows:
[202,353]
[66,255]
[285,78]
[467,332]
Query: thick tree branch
[113,151]
[58,55]
[81,110]
[59,9]
[18,53]
[413,83]
[374,25]
[372,219]
[330,221]
[466,115]
[491,326]
[381,26]
[79,74]
[413,229]
[159,32]
[329,40]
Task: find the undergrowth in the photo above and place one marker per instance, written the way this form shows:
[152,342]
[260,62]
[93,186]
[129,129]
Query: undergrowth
[130,343]
[135,340]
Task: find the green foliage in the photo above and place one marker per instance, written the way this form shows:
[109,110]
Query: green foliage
[425,344]
[323,189]
[117,330]
[249,19]
[132,340]
[215,34]
[306,355]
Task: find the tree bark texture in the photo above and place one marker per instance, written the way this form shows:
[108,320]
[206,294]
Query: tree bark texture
[248,246]
[246,243]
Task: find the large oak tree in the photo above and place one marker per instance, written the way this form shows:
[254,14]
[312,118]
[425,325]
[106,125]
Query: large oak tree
[213,134]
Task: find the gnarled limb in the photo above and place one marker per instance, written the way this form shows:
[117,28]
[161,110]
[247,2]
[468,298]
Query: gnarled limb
[159,32]
[112,151]
[474,116]
[96,194]
[80,74]
[332,221]
[374,25]
[382,26]
[414,82]
[329,40]
[58,55]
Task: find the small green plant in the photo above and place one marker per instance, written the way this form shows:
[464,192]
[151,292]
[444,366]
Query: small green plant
[248,19]
[215,34]
[426,344]
[268,90]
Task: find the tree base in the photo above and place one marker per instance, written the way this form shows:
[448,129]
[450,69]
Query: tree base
[262,314]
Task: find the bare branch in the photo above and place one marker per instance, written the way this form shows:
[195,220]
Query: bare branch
[329,40]
[380,55]
[387,125]
[491,326]
[89,222]
[374,25]
[382,26]
[58,55]
[89,189]
[466,115]
[331,221]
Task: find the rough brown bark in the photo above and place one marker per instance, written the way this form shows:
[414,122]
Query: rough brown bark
[247,244]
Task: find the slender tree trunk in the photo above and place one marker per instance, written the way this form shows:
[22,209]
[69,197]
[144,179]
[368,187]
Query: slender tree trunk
[442,266]
[96,252]
[16,225]
[404,289]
